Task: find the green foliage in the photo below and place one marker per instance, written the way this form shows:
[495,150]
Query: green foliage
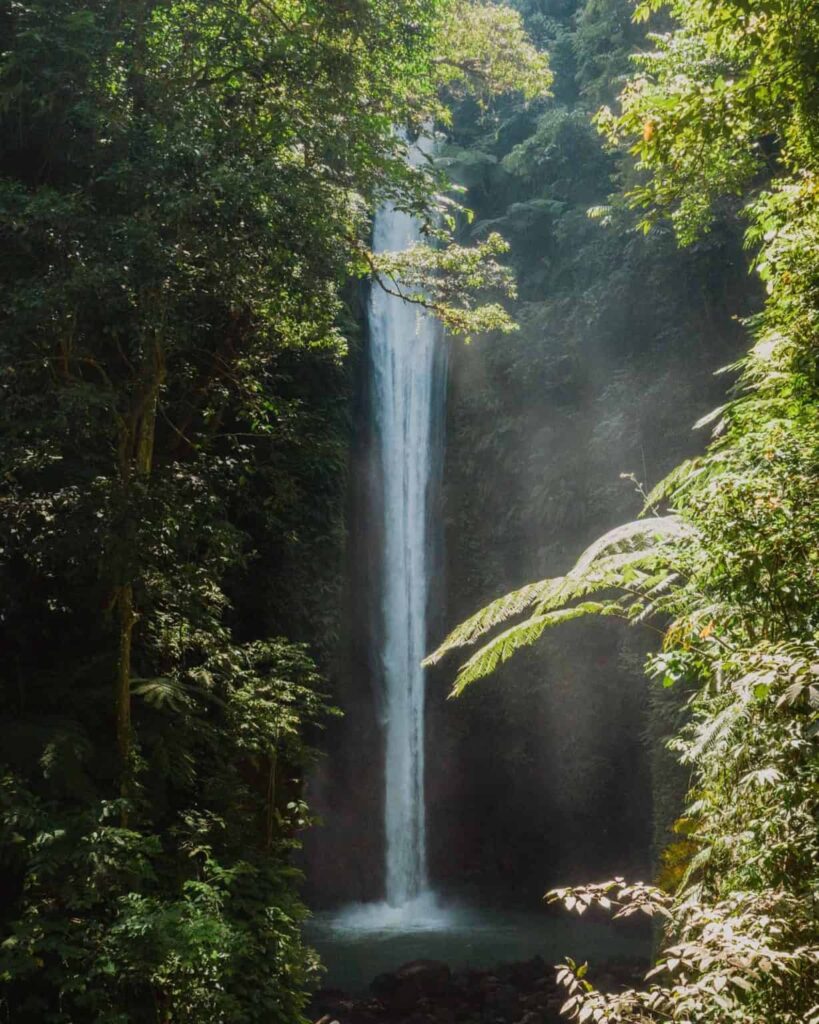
[733,959]
[618,337]
[723,99]
[629,557]
[484,47]
[192,912]
[446,281]
[733,586]
[127,929]
[184,192]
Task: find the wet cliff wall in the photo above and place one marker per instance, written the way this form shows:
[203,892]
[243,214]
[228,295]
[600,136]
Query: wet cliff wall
[554,769]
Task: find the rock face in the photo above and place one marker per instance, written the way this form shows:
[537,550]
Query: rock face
[428,992]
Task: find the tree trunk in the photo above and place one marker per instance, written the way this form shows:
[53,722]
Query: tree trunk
[136,462]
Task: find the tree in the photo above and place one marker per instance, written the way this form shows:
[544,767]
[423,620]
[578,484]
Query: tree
[184,195]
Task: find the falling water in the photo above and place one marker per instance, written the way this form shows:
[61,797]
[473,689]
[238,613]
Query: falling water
[407,386]
[407,395]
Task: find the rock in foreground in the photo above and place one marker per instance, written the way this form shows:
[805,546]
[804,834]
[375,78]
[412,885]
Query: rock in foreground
[429,992]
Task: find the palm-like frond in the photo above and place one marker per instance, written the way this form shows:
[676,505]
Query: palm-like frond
[681,476]
[626,557]
[162,692]
[500,610]
[485,660]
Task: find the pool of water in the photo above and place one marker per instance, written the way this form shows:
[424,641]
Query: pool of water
[364,940]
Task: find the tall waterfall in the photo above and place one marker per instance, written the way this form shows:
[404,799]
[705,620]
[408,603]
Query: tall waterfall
[407,373]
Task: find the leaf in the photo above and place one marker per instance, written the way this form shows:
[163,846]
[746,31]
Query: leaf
[160,691]
[600,567]
[502,647]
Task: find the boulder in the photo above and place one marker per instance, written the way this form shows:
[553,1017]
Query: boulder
[488,983]
[386,988]
[536,1000]
[430,977]
[402,991]
[527,972]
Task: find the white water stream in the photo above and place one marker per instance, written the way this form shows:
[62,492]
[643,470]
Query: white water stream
[405,363]
[407,374]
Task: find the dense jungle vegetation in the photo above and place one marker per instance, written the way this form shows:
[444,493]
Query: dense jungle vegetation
[185,193]
[719,116]
[619,337]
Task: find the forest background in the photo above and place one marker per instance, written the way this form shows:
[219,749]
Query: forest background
[184,195]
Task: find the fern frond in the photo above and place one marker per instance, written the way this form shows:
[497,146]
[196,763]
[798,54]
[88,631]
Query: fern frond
[680,477]
[500,610]
[699,860]
[709,417]
[501,648]
[713,732]
[609,562]
[161,692]
[639,535]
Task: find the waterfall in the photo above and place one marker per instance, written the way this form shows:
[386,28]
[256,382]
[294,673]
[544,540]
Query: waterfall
[407,373]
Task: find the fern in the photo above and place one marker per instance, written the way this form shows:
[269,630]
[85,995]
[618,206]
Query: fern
[485,660]
[161,692]
[631,559]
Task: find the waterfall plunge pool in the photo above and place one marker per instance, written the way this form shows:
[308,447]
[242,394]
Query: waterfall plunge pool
[362,941]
